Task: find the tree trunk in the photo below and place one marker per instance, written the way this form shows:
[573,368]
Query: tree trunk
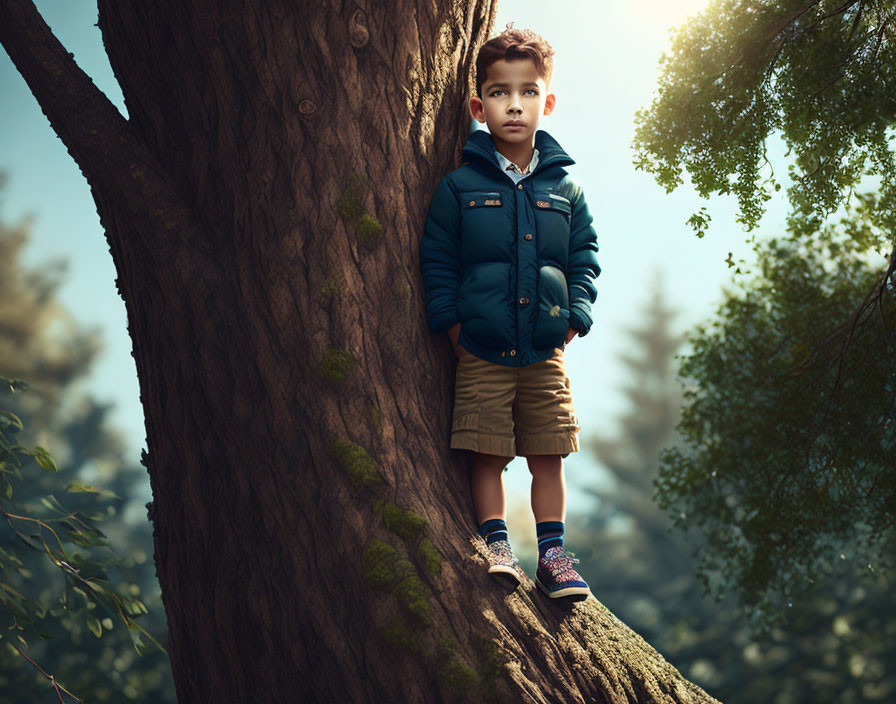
[263,204]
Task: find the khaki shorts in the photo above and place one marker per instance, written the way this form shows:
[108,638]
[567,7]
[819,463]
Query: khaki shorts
[512,411]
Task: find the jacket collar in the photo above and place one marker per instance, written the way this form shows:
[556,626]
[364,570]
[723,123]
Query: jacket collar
[481,147]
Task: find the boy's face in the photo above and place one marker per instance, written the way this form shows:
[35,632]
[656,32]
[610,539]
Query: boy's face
[513,91]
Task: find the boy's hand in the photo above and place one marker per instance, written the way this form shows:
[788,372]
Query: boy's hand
[570,333]
[453,332]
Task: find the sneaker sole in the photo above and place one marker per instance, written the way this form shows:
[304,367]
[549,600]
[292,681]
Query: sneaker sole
[505,574]
[566,591]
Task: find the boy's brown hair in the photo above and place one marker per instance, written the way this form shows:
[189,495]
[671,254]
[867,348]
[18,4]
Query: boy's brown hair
[514,44]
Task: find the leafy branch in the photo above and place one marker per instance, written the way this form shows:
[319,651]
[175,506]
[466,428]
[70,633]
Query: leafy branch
[85,574]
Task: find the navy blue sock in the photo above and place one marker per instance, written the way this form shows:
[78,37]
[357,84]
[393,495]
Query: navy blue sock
[493,529]
[550,533]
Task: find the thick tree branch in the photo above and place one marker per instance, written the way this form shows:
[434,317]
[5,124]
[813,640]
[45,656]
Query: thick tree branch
[112,159]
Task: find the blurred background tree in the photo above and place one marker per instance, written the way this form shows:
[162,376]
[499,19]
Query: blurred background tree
[787,465]
[838,638]
[41,344]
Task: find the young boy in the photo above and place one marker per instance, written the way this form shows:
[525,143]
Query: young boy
[508,259]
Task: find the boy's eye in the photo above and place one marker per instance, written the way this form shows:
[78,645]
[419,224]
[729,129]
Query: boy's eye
[501,90]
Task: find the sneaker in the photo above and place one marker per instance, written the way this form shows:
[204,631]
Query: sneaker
[504,564]
[555,574]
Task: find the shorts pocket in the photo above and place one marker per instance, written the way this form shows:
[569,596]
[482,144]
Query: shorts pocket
[466,421]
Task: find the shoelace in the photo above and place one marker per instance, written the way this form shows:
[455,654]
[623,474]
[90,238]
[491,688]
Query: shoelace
[501,549]
[560,563]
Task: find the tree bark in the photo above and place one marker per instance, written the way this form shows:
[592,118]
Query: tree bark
[263,203]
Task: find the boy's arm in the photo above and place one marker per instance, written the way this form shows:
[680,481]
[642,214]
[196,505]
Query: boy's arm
[582,269]
[440,259]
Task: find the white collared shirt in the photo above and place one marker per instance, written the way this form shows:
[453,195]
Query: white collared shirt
[515,172]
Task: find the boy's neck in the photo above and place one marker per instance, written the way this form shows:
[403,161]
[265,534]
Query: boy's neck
[519,153]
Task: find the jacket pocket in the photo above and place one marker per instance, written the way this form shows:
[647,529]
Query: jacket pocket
[481,199]
[545,200]
[485,306]
[487,226]
[553,214]
[552,314]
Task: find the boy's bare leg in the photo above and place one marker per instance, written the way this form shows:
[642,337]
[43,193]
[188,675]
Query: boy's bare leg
[548,487]
[488,486]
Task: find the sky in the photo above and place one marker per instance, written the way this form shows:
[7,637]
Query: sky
[606,68]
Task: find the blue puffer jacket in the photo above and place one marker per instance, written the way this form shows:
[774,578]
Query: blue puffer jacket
[514,264]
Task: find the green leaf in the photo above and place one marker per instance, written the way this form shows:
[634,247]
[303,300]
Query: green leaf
[8,456]
[29,540]
[86,540]
[76,486]
[16,385]
[10,421]
[82,593]
[135,629]
[93,623]
[98,588]
[50,502]
[44,460]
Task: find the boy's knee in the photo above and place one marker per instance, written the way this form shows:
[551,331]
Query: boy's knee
[544,463]
[483,458]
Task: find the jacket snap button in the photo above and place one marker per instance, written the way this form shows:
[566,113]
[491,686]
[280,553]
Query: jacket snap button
[520,186]
[512,353]
[524,301]
[528,235]
[472,203]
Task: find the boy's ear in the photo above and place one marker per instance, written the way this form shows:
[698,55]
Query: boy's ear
[549,103]
[476,109]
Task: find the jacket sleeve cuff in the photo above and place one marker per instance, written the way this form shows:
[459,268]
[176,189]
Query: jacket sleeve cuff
[579,319]
[444,321]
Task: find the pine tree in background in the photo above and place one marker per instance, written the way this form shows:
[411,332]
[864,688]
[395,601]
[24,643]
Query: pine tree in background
[626,532]
[635,565]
